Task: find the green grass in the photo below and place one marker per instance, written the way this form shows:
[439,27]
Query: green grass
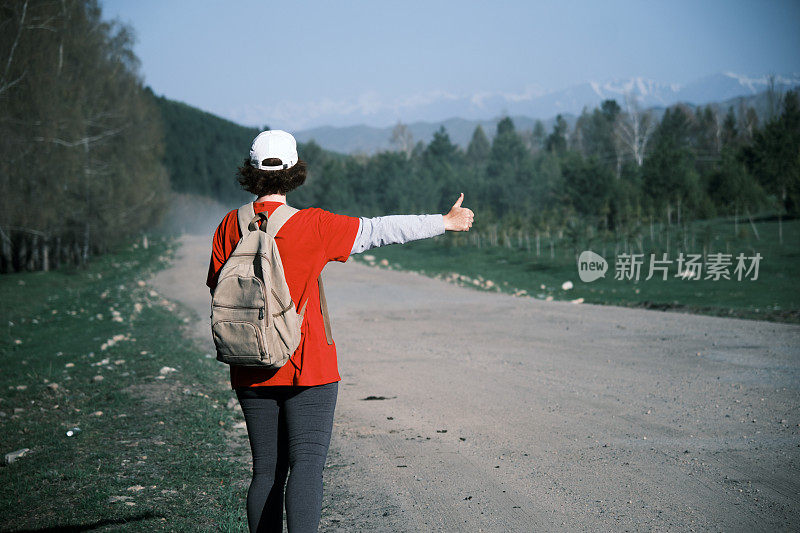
[161,447]
[170,436]
[775,295]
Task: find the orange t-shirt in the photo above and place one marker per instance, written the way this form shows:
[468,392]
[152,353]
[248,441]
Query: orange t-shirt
[306,242]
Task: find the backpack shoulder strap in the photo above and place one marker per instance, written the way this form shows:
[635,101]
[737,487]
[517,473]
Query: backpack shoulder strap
[278,218]
[275,222]
[245,215]
[326,319]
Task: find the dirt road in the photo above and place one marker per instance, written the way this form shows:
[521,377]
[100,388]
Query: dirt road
[514,414]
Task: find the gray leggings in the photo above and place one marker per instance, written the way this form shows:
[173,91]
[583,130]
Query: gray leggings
[289,430]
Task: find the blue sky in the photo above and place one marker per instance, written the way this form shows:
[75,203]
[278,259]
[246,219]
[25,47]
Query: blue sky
[300,64]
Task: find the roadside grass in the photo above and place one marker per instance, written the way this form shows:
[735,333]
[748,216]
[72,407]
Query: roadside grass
[774,296]
[156,449]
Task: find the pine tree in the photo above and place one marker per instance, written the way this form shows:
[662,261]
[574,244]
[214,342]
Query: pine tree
[773,157]
[557,140]
[479,147]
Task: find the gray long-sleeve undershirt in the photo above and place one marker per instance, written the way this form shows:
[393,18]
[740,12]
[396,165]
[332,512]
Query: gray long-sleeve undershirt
[395,229]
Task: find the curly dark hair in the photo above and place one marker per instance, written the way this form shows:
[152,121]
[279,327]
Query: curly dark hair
[264,182]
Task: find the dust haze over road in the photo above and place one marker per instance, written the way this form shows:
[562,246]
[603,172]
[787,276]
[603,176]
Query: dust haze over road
[514,414]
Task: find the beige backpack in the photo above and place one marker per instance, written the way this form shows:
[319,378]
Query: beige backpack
[253,318]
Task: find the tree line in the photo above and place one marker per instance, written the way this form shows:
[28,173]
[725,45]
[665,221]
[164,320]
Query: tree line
[202,151]
[81,143]
[616,169]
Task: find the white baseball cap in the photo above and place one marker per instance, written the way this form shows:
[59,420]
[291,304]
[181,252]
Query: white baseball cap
[273,144]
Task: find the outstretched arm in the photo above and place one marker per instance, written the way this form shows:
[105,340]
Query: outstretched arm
[398,229]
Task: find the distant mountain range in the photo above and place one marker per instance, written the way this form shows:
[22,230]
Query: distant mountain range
[485,109]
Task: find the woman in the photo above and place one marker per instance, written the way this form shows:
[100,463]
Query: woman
[289,411]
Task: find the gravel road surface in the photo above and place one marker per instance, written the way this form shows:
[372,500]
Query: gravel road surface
[462,410]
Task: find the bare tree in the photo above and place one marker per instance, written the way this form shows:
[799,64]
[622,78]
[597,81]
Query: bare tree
[6,81]
[774,98]
[576,140]
[633,130]
[747,121]
[402,139]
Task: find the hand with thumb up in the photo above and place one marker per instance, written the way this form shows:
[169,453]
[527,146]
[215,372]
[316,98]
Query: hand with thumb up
[459,218]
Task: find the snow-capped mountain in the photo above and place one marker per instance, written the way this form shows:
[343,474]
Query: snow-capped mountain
[525,108]
[378,111]
[719,87]
[353,126]
[648,93]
